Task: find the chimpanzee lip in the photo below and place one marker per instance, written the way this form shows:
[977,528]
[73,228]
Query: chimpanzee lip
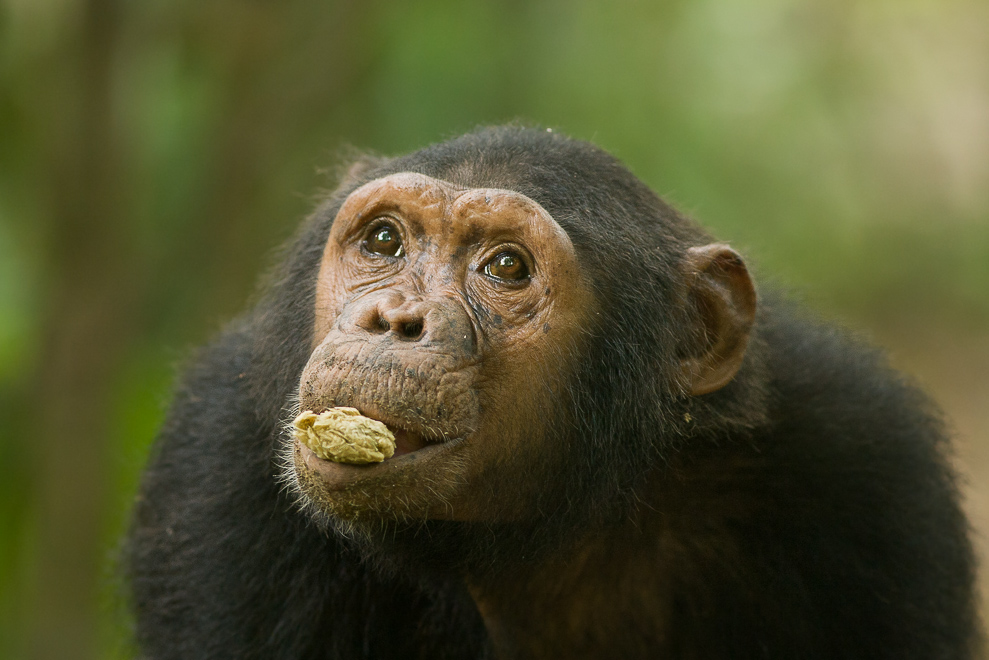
[408,442]
[337,476]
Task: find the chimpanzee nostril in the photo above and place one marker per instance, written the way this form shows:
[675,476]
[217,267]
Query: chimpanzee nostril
[371,320]
[410,329]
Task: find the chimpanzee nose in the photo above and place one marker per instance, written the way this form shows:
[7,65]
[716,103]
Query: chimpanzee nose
[408,322]
[393,316]
[406,318]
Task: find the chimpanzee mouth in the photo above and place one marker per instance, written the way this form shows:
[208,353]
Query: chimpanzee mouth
[407,442]
[413,450]
[408,439]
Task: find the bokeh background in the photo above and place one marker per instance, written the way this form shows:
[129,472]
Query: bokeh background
[153,153]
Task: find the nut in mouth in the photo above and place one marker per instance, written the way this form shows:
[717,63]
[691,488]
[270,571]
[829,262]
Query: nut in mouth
[344,435]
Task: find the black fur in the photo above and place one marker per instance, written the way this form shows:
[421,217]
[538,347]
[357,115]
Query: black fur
[809,505]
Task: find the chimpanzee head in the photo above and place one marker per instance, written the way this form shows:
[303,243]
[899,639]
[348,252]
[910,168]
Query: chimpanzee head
[534,325]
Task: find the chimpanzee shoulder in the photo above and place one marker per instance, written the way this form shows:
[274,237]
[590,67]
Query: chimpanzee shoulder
[842,509]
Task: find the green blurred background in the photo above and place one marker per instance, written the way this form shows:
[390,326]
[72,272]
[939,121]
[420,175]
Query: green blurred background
[153,153]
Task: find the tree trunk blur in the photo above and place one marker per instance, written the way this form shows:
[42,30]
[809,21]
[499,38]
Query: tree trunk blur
[88,321]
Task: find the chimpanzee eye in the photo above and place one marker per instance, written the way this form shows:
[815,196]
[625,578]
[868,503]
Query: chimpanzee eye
[507,266]
[385,240]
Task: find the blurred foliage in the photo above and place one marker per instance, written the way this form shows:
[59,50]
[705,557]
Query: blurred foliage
[153,153]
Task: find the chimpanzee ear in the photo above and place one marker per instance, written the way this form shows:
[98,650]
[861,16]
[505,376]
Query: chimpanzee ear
[721,291]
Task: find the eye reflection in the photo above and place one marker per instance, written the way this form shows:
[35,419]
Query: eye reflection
[508,266]
[385,240]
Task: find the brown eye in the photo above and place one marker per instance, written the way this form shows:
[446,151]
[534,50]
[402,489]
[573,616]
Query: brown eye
[384,240]
[507,266]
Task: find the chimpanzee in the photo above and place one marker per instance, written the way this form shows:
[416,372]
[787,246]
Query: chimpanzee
[608,446]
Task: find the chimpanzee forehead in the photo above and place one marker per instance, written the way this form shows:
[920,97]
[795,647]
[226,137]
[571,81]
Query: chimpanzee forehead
[440,203]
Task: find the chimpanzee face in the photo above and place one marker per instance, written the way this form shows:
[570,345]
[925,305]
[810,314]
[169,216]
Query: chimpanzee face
[450,314]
